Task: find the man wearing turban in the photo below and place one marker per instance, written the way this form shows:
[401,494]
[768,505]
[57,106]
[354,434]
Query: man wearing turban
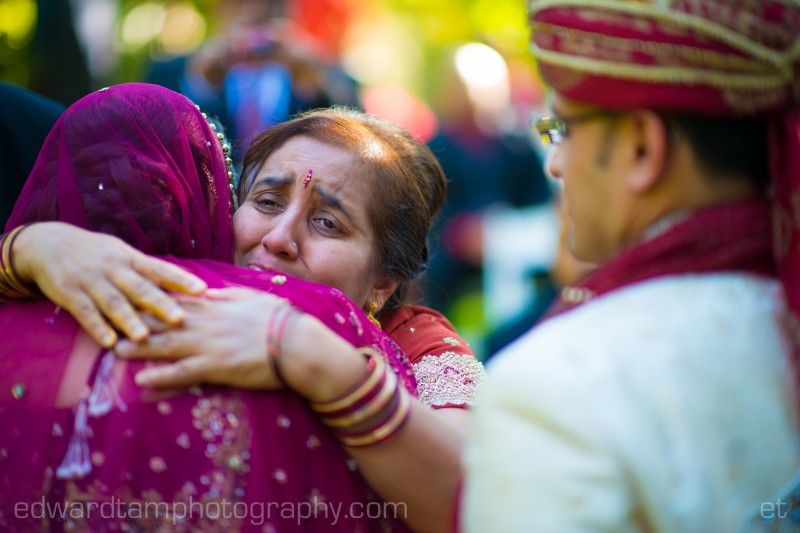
[660,394]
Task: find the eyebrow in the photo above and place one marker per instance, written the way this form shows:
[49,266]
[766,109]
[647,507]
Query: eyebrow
[273,180]
[331,200]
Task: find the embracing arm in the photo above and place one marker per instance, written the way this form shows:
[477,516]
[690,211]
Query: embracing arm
[99,279]
[223,340]
[419,468]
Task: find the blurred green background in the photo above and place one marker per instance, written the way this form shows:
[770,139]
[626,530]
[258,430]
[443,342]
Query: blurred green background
[65,48]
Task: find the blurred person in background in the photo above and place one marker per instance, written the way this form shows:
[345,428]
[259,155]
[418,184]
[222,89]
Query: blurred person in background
[255,71]
[25,121]
[56,59]
[564,271]
[661,393]
[490,167]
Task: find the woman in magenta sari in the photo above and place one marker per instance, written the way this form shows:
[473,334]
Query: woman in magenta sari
[83,447]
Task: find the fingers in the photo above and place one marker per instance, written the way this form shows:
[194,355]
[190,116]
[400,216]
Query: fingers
[189,302]
[154,323]
[116,306]
[197,369]
[231,293]
[148,296]
[127,288]
[243,293]
[102,281]
[168,276]
[172,344]
[83,309]
[189,371]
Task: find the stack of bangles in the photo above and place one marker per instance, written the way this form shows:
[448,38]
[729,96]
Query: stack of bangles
[374,411]
[10,286]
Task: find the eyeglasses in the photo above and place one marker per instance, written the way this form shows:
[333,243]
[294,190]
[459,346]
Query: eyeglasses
[552,129]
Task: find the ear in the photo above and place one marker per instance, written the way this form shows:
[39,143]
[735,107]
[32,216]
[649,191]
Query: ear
[650,150]
[382,290]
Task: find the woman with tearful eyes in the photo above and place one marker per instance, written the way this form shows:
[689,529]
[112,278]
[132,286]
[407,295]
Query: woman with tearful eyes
[336,197]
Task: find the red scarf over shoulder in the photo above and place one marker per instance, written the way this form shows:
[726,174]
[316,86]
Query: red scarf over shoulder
[730,238]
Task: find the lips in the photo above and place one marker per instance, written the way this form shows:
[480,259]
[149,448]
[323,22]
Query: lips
[261,267]
[262,262]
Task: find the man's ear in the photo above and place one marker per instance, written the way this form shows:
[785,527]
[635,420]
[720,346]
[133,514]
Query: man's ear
[650,150]
[382,290]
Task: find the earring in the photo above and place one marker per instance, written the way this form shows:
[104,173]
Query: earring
[373,306]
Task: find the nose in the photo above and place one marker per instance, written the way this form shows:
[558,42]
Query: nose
[281,238]
[553,162]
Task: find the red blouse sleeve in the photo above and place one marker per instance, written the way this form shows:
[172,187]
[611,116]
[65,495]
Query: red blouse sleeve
[448,374]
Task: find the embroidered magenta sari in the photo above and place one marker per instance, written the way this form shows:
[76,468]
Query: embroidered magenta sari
[81,446]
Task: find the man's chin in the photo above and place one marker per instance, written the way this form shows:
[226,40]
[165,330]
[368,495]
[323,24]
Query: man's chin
[581,252]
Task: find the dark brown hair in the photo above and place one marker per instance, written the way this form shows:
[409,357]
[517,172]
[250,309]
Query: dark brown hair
[727,146]
[408,184]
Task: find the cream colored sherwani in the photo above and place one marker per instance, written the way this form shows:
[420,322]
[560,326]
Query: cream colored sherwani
[666,406]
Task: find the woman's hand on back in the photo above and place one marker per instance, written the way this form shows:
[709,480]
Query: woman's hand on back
[224,341]
[102,281]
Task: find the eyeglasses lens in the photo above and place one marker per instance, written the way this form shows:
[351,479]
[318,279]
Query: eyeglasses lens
[549,129]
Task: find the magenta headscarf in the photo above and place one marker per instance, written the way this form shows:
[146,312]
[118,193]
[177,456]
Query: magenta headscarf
[141,162]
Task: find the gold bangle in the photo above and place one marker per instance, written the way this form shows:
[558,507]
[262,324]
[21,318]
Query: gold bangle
[6,293]
[360,391]
[385,431]
[5,256]
[370,409]
[7,273]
